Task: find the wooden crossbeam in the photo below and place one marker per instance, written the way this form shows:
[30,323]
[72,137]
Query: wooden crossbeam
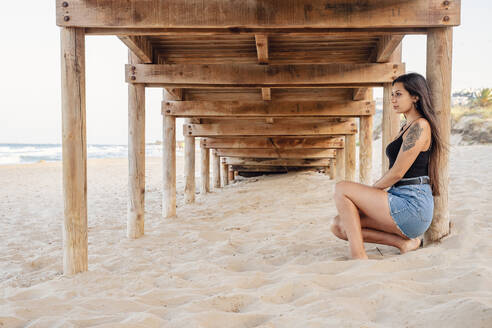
[266,93]
[267,109]
[250,94]
[266,129]
[276,162]
[273,153]
[140,46]
[244,75]
[258,168]
[197,14]
[273,143]
[174,94]
[385,48]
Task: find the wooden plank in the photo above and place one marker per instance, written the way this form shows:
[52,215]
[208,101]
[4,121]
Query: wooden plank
[268,109]
[262,48]
[204,170]
[265,129]
[359,93]
[173,94]
[350,150]
[385,48]
[169,167]
[273,143]
[273,153]
[196,14]
[189,168]
[74,151]
[277,162]
[140,46]
[252,94]
[257,168]
[238,75]
[216,169]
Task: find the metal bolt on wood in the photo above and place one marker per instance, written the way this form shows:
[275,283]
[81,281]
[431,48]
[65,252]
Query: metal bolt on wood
[65,4]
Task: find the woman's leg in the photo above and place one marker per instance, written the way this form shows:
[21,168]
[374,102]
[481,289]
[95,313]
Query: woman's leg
[351,198]
[371,235]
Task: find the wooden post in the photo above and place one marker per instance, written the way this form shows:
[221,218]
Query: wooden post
[332,169]
[390,124]
[365,145]
[136,156]
[74,150]
[439,54]
[350,145]
[224,173]
[205,170]
[340,165]
[169,167]
[216,169]
[189,164]
[231,174]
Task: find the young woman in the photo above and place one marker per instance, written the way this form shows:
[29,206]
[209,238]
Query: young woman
[398,216]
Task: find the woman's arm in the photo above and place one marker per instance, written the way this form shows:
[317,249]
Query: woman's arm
[414,141]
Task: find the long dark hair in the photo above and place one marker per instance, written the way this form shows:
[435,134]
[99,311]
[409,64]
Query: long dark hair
[416,85]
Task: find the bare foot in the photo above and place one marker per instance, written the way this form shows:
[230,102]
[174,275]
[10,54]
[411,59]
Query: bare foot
[410,245]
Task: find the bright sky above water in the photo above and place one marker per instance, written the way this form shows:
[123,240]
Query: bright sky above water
[30,88]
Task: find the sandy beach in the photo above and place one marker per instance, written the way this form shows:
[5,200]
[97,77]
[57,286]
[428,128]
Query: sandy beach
[258,253]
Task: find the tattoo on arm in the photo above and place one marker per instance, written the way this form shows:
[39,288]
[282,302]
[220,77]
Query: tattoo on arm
[413,135]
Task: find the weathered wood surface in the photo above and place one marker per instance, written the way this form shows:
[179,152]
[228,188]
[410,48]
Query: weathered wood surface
[277,94]
[259,168]
[169,167]
[204,170]
[262,48]
[241,75]
[140,46]
[267,108]
[385,48]
[270,153]
[216,169]
[365,145]
[261,14]
[339,165]
[273,143]
[224,174]
[439,64]
[277,162]
[350,150]
[74,150]
[136,157]
[189,169]
[266,129]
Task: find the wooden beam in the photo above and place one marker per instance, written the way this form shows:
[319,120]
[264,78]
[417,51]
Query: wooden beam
[350,150]
[262,48]
[173,94]
[216,169]
[189,168]
[244,75]
[140,46]
[266,93]
[265,129]
[136,157]
[252,94]
[204,170]
[340,165]
[273,143]
[259,168]
[359,93]
[74,150]
[169,167]
[268,109]
[386,46]
[197,14]
[277,162]
[273,153]
[438,72]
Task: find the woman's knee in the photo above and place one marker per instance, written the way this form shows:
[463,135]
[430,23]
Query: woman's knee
[340,188]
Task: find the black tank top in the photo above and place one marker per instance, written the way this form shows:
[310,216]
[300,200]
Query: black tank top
[421,164]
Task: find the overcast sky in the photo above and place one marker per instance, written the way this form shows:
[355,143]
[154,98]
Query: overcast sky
[30,85]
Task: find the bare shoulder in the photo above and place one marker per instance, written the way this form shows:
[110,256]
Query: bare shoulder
[417,134]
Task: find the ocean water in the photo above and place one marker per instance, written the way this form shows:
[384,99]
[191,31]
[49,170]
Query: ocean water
[33,153]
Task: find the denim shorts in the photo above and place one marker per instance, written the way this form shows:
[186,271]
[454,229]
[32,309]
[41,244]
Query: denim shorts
[412,208]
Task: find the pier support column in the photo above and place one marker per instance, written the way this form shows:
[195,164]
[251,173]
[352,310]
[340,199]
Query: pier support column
[169,167]
[189,167]
[365,144]
[224,173]
[74,150]
[332,169]
[390,124]
[205,170]
[439,55]
[350,145]
[340,165]
[136,156]
[216,169]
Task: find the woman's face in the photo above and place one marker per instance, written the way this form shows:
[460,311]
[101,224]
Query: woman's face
[401,99]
